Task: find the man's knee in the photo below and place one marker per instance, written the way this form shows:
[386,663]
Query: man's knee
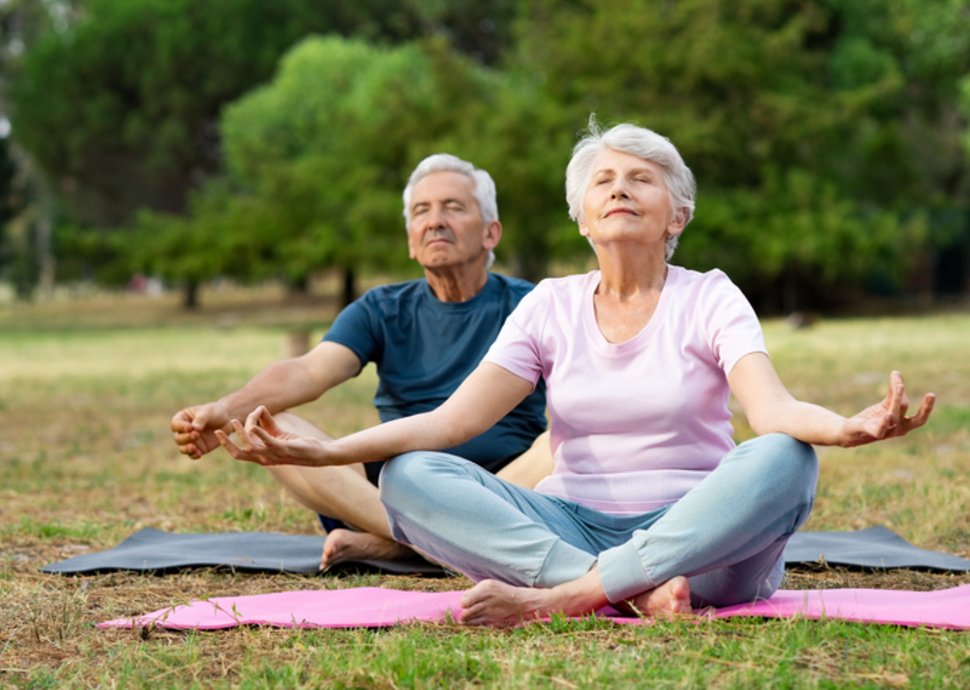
[295,424]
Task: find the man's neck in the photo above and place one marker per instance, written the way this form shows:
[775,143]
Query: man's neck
[451,285]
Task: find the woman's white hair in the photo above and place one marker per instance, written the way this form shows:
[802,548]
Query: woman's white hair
[642,143]
[483,188]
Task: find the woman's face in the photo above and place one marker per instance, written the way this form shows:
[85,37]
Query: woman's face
[627,200]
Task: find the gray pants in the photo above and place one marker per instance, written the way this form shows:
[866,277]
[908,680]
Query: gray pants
[727,534]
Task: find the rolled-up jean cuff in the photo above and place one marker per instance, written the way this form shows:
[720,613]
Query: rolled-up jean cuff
[622,574]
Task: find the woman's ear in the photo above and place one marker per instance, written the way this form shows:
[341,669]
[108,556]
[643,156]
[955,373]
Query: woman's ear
[678,222]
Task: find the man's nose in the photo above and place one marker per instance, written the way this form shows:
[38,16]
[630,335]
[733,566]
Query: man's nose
[434,220]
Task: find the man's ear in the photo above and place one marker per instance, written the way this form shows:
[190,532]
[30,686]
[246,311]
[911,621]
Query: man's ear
[492,235]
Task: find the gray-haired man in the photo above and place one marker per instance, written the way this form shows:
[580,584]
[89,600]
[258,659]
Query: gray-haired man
[424,336]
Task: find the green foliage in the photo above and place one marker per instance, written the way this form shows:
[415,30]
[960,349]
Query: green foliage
[524,139]
[821,142]
[122,107]
[829,137]
[316,161]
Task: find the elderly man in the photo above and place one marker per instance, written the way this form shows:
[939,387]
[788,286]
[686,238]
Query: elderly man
[425,337]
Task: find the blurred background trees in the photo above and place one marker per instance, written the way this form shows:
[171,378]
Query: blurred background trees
[258,141]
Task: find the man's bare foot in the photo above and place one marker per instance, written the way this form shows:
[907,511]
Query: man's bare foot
[346,545]
[668,600]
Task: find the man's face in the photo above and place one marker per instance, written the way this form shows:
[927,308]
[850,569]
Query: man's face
[445,226]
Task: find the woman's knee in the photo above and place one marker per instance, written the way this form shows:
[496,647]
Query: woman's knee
[784,465]
[788,456]
[409,475]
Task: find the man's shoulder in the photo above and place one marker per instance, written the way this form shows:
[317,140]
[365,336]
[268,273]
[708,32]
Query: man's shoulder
[393,292]
[517,286]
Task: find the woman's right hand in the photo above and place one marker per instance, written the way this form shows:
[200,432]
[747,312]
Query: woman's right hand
[263,442]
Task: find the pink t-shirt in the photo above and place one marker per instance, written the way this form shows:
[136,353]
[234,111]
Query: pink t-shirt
[635,425]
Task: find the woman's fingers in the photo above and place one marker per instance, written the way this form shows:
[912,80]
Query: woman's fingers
[923,413]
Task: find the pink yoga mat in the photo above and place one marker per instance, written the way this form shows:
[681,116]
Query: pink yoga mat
[373,607]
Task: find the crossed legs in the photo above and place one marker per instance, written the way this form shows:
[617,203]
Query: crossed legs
[346,494]
[534,554]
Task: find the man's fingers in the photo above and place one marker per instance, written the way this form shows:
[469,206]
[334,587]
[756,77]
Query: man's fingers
[185,438]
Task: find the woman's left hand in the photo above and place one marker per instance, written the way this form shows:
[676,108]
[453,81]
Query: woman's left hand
[886,419]
[263,442]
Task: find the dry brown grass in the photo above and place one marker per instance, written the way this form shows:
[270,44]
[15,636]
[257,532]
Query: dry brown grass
[85,460]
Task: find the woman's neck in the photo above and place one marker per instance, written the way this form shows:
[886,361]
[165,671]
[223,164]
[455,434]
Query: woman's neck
[629,290]
[626,275]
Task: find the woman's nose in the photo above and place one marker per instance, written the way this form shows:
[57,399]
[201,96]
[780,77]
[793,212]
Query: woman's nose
[618,191]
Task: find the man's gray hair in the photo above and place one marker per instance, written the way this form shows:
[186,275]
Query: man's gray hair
[642,143]
[483,187]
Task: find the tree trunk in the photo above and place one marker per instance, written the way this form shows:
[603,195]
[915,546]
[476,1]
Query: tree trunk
[350,286]
[298,288]
[190,295]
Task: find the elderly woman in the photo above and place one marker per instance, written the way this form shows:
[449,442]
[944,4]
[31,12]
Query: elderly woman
[650,503]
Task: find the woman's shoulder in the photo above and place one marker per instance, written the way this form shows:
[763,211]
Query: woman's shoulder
[711,290]
[700,282]
[577,282]
[565,291]
[689,276]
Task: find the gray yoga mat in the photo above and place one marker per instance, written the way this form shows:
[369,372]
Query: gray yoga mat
[152,550]
[873,547]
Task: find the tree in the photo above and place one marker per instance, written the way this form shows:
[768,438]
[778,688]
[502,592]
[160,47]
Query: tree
[316,160]
[797,119]
[26,205]
[121,109]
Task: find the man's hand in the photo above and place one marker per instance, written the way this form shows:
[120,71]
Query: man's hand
[194,428]
[263,442]
[886,419]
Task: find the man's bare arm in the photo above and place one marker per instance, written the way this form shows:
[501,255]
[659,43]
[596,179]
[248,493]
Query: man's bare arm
[280,386]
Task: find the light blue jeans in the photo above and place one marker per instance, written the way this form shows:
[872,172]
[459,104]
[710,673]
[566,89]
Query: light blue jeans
[727,534]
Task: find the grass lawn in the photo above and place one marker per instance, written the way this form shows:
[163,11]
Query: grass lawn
[87,387]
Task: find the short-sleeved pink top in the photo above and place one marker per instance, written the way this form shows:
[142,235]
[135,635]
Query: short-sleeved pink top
[635,425]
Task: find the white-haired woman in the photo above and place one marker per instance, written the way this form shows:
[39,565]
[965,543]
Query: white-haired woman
[650,503]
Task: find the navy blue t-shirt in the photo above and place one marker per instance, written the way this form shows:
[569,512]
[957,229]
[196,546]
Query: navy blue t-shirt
[424,348]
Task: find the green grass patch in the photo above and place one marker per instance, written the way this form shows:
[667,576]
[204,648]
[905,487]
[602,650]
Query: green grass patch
[28,526]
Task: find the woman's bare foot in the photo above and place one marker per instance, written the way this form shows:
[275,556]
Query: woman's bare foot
[491,602]
[668,600]
[346,545]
